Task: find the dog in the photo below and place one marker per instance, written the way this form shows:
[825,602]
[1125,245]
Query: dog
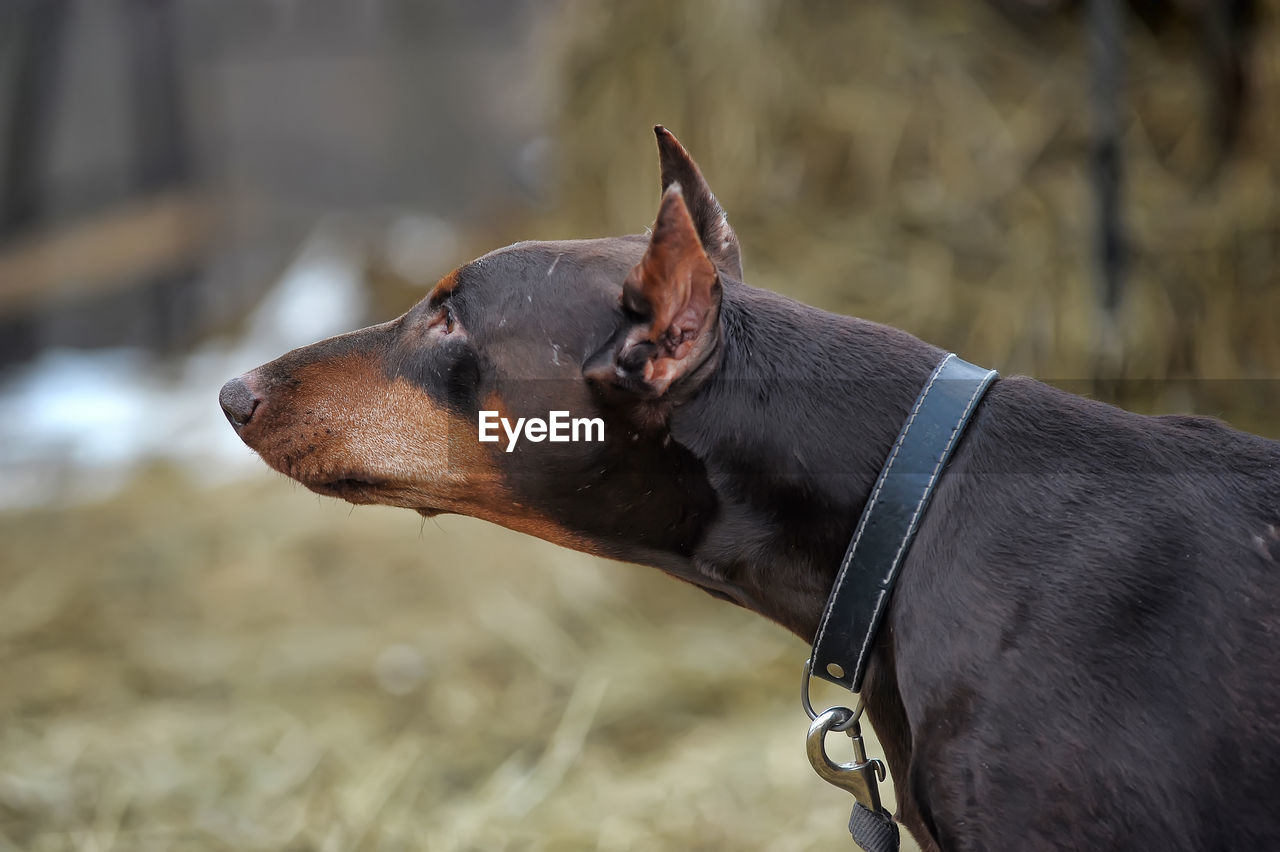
[1083,648]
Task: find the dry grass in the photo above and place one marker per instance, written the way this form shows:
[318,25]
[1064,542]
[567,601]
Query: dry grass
[255,668]
[925,164]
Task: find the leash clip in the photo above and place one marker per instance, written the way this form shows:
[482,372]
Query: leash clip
[860,778]
[871,826]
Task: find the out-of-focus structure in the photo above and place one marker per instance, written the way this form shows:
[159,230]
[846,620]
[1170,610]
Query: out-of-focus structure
[160,159]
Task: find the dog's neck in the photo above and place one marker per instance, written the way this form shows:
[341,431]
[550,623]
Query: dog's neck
[793,431]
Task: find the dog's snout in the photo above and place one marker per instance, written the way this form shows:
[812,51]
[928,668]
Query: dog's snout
[238,402]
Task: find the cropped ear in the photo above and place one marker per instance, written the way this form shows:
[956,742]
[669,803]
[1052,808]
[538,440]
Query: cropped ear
[718,239]
[671,301]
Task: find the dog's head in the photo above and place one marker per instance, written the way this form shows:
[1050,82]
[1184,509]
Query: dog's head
[530,344]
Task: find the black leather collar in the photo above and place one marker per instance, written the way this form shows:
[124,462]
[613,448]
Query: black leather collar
[901,494]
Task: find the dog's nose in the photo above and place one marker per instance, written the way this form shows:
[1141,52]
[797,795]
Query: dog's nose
[238,402]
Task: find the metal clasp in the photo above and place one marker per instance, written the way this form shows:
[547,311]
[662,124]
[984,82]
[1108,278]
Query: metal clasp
[862,777]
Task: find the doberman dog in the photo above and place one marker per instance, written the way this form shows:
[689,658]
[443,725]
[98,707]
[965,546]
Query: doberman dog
[1083,648]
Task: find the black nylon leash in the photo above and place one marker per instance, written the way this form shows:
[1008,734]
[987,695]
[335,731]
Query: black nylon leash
[864,583]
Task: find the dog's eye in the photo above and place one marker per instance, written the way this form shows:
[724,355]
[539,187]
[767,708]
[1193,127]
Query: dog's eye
[443,319]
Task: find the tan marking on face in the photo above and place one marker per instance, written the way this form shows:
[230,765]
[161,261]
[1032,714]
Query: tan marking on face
[445,285]
[494,402]
[345,420]
[524,519]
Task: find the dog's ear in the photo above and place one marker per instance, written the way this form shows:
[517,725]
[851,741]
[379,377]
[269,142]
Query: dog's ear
[671,305]
[718,239]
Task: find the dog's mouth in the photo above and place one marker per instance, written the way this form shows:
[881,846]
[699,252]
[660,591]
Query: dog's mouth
[366,490]
[354,489]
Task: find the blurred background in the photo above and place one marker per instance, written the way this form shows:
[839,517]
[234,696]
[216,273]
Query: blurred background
[197,654]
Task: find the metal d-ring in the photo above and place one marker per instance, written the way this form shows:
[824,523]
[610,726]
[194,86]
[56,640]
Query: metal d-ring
[844,724]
